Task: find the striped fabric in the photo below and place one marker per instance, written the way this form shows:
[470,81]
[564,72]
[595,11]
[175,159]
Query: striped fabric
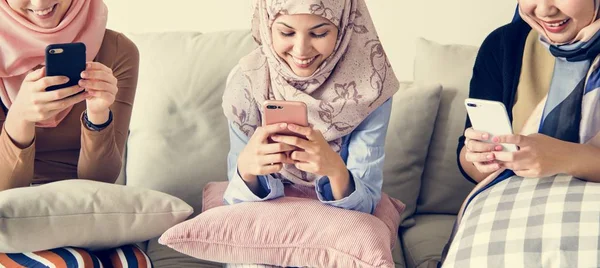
[123,257]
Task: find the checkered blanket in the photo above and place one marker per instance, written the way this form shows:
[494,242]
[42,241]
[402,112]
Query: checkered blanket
[547,222]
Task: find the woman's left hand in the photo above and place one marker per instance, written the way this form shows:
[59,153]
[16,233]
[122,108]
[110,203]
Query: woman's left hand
[538,156]
[315,156]
[99,81]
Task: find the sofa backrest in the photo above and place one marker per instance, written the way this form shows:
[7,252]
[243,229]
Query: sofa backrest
[178,134]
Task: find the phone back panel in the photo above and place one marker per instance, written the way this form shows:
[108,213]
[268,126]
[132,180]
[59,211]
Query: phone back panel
[65,60]
[490,117]
[291,112]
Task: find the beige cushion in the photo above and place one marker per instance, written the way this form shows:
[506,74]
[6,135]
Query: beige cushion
[423,243]
[179,137]
[82,213]
[443,187]
[414,112]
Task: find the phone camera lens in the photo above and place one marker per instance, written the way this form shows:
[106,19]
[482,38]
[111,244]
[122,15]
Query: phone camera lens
[51,51]
[271,107]
[471,104]
[279,107]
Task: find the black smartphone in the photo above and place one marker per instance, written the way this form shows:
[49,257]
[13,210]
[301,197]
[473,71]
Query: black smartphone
[65,60]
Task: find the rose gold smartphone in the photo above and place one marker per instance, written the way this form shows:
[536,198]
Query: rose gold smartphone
[291,112]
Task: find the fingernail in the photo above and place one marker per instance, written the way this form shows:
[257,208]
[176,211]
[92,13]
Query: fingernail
[485,136]
[83,74]
[490,156]
[498,148]
[65,79]
[495,139]
[283,125]
[274,138]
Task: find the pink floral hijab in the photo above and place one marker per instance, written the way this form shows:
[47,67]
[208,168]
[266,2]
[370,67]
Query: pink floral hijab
[354,81]
[22,44]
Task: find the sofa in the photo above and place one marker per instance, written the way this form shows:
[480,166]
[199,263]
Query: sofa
[178,138]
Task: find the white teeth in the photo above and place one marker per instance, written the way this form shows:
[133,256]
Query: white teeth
[303,62]
[43,12]
[558,24]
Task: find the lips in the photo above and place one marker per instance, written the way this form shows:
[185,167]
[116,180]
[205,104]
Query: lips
[44,13]
[556,26]
[303,62]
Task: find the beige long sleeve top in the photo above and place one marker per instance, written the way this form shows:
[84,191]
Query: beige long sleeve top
[70,150]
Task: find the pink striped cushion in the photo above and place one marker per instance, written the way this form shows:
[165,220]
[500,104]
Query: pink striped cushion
[295,230]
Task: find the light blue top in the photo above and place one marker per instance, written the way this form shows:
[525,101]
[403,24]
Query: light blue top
[362,151]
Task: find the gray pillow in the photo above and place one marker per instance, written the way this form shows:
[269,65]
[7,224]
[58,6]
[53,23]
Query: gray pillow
[443,187]
[86,214]
[414,111]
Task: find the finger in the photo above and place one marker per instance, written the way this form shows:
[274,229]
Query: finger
[99,75]
[307,132]
[36,75]
[98,85]
[510,139]
[97,66]
[487,167]
[510,156]
[266,131]
[476,135]
[272,159]
[62,104]
[294,141]
[270,169]
[46,82]
[49,96]
[301,156]
[101,95]
[306,167]
[479,157]
[480,147]
[274,148]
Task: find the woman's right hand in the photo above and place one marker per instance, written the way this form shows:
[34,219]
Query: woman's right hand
[480,153]
[34,104]
[260,157]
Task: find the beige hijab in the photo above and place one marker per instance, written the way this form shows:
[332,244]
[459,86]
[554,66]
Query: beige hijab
[354,81]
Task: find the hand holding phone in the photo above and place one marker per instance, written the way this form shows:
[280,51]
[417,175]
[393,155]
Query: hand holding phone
[490,117]
[289,112]
[65,60]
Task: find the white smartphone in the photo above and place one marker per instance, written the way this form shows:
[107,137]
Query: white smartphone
[490,117]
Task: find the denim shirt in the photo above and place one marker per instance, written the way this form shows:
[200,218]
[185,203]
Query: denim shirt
[362,151]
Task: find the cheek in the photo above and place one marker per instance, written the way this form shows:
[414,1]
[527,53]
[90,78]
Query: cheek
[282,45]
[326,45]
[17,5]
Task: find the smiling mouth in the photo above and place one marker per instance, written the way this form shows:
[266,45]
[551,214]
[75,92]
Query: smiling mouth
[43,12]
[557,24]
[304,63]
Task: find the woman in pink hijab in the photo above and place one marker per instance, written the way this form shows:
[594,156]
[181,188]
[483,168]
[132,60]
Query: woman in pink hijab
[55,135]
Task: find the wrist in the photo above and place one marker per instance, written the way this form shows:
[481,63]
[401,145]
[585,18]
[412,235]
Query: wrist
[21,131]
[98,118]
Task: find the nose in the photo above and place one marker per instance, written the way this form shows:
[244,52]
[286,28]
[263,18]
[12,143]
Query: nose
[546,8]
[302,45]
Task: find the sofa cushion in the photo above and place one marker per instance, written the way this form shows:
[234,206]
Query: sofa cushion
[86,214]
[413,115]
[443,187]
[315,234]
[423,243]
[178,134]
